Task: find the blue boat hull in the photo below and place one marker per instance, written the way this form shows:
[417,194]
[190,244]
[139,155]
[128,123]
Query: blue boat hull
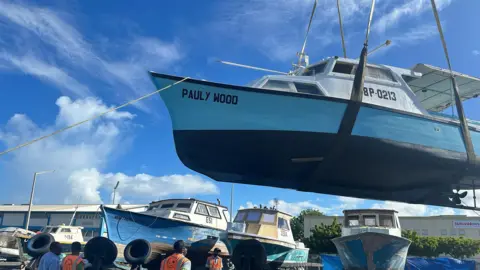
[371,250]
[290,140]
[125,226]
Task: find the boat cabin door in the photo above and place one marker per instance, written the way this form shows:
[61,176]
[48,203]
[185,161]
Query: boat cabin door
[283,229]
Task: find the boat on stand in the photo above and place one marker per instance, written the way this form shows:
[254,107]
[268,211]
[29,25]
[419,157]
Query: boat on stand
[271,229]
[372,239]
[202,225]
[300,129]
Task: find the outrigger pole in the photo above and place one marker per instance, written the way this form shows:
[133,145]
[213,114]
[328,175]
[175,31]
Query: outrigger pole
[341,30]
[302,53]
[458,102]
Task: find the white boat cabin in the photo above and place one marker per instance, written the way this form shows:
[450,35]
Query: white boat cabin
[63,233]
[421,90]
[191,211]
[371,220]
[265,223]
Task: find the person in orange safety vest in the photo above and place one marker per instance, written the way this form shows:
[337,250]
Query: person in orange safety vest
[74,261]
[177,261]
[214,262]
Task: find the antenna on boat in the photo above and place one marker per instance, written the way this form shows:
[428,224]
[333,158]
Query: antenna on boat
[387,43]
[302,53]
[252,67]
[341,29]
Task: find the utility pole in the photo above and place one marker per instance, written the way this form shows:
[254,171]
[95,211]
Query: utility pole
[31,195]
[114,192]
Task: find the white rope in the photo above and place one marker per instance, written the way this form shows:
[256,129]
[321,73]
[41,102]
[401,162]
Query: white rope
[90,119]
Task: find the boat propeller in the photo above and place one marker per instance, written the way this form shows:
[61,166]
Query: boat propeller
[457,197]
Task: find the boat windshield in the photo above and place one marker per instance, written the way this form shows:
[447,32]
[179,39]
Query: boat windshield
[370,220]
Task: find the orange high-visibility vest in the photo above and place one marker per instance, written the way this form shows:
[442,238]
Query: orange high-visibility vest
[214,263]
[71,261]
[174,262]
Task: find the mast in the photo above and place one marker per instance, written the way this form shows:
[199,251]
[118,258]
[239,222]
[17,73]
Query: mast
[341,30]
[231,204]
[302,53]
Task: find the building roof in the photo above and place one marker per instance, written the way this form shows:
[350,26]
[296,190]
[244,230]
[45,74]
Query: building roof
[94,208]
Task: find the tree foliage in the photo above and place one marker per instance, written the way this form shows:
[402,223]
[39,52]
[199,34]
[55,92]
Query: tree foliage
[432,246]
[320,240]
[297,223]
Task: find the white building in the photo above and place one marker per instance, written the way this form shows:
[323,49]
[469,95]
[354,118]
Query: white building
[86,215]
[451,225]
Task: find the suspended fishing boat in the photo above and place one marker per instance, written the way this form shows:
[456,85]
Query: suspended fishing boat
[271,228]
[339,126]
[202,225]
[372,239]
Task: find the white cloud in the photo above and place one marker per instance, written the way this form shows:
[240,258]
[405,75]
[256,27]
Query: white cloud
[410,8]
[405,209]
[79,156]
[349,202]
[53,49]
[476,52]
[292,208]
[138,186]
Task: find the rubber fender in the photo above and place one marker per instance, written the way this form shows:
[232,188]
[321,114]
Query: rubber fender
[100,248]
[138,252]
[39,244]
[251,252]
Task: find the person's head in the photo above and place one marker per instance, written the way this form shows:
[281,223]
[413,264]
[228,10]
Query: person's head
[179,247]
[76,248]
[216,251]
[56,248]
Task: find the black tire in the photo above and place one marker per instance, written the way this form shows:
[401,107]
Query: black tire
[39,244]
[249,252]
[100,248]
[137,252]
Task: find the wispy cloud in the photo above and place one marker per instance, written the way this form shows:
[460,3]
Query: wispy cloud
[476,52]
[52,48]
[409,9]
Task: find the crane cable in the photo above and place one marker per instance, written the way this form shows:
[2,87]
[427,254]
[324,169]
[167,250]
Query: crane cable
[90,119]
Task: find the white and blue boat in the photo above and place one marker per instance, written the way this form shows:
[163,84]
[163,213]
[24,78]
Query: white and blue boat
[302,131]
[202,225]
[372,239]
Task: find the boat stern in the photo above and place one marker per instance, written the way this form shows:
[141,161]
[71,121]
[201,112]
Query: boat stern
[371,250]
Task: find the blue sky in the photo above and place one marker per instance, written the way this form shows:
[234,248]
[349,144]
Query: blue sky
[63,61]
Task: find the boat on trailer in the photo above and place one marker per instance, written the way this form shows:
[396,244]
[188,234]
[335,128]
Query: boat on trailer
[298,131]
[202,225]
[271,228]
[372,239]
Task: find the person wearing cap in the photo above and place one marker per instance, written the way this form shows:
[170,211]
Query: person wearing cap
[214,262]
[177,261]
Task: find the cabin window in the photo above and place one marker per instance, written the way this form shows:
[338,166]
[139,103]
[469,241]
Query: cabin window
[240,216]
[201,209]
[320,68]
[370,220]
[407,78]
[180,216]
[386,221]
[344,68]
[66,230]
[254,216]
[54,230]
[185,207]
[213,211]
[379,73]
[277,85]
[268,218]
[307,88]
[167,205]
[282,224]
[353,221]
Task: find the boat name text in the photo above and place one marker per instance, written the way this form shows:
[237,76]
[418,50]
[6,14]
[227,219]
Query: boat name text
[206,96]
[382,94]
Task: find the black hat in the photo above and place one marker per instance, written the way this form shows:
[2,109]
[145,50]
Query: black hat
[179,245]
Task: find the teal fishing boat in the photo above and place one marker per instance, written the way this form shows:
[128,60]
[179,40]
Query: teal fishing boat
[271,228]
